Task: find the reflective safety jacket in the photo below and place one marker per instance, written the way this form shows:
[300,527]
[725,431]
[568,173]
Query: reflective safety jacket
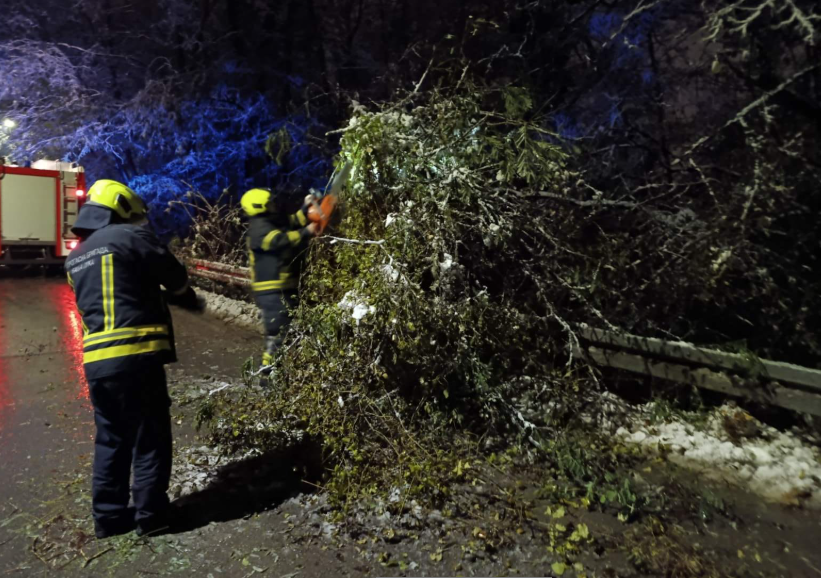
[275,251]
[116,275]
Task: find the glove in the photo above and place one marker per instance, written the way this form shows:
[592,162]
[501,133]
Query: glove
[188,300]
[312,197]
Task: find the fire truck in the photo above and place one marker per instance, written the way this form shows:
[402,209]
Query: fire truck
[38,206]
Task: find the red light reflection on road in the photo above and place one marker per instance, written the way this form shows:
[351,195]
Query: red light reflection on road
[6,401]
[71,336]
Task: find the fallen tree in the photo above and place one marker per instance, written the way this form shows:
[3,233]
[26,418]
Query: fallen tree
[471,244]
[405,318]
[436,327]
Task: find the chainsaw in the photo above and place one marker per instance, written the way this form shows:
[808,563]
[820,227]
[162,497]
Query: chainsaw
[323,208]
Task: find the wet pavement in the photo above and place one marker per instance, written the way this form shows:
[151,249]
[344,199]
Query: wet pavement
[45,413]
[46,431]
[44,404]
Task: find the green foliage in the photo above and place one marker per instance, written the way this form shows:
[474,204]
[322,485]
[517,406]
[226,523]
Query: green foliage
[517,101]
[407,347]
[472,242]
[589,467]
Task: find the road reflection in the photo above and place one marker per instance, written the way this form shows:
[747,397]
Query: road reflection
[6,401]
[71,337]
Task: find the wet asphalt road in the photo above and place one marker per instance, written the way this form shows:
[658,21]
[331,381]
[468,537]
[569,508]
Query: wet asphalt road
[44,405]
[46,447]
[45,414]
[46,418]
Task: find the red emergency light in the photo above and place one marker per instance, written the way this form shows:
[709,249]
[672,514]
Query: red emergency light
[71,244]
[80,193]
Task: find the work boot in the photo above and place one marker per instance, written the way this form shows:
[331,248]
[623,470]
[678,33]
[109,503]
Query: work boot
[115,527]
[157,524]
[266,369]
[154,528]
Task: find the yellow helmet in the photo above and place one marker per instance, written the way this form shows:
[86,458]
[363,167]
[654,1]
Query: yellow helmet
[117,197]
[255,202]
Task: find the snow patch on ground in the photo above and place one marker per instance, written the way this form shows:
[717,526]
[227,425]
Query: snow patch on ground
[196,467]
[233,311]
[730,446]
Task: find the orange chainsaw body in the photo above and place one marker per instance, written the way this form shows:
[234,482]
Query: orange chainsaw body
[320,213]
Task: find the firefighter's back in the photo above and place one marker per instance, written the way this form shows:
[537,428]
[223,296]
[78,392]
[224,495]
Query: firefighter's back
[116,274]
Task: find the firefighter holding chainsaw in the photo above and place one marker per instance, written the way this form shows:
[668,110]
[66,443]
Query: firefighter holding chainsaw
[116,273]
[276,246]
[276,242]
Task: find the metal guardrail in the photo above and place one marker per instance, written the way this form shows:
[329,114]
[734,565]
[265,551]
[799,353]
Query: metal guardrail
[762,380]
[220,272]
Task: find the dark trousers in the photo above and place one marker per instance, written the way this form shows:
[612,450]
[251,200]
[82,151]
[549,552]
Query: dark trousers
[133,419]
[276,310]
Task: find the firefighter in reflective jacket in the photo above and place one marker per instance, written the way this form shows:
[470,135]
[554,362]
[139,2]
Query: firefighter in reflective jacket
[116,272]
[276,242]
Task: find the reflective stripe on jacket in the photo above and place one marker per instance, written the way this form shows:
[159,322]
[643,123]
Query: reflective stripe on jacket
[275,251]
[116,274]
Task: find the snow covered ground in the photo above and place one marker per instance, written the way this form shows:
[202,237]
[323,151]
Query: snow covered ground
[233,311]
[730,446]
[194,468]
